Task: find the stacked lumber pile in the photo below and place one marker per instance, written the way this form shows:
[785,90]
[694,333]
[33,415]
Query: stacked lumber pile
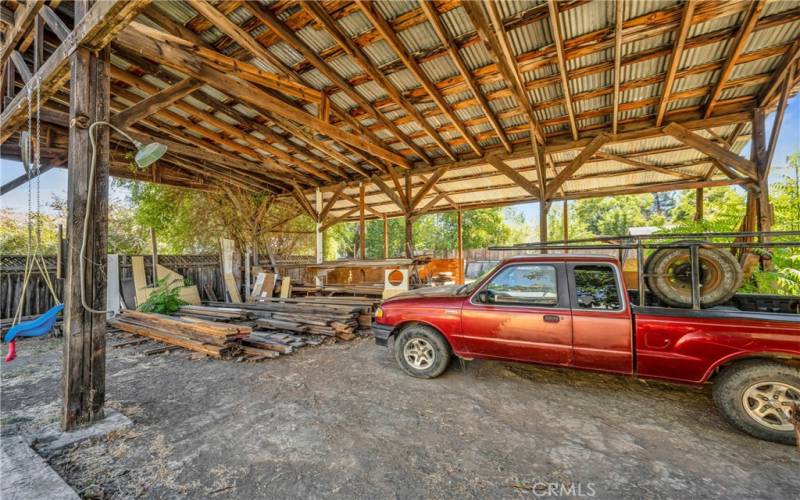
[218,340]
[226,314]
[311,317]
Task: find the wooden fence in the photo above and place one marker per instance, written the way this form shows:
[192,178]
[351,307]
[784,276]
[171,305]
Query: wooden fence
[200,270]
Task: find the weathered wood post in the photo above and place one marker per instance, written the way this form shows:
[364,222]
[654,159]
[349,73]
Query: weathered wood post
[362,227]
[698,205]
[84,343]
[385,237]
[460,247]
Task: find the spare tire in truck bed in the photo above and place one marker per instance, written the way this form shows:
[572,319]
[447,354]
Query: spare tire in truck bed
[668,272]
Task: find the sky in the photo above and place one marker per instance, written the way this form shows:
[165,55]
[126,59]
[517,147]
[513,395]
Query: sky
[54,182]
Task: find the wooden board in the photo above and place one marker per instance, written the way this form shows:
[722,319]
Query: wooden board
[286,287]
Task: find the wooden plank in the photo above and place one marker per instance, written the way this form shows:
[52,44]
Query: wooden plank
[22,66]
[155,103]
[577,163]
[777,124]
[182,55]
[740,42]
[258,287]
[675,58]
[286,287]
[513,175]
[390,37]
[711,149]
[362,227]
[558,41]
[781,73]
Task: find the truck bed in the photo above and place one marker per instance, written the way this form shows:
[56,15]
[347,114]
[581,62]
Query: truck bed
[743,302]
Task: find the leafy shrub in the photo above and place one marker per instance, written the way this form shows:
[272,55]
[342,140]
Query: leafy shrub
[165,300]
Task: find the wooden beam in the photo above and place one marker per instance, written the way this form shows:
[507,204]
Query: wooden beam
[429,184]
[558,41]
[155,103]
[240,36]
[22,179]
[341,218]
[94,31]
[390,37]
[304,203]
[781,73]
[577,163]
[675,58]
[177,53]
[449,44]
[329,205]
[350,48]
[24,18]
[778,123]
[354,201]
[698,205]
[739,43]
[385,237]
[22,66]
[388,191]
[619,21]
[362,227]
[516,177]
[644,165]
[500,52]
[428,206]
[711,149]
[54,22]
[84,332]
[266,17]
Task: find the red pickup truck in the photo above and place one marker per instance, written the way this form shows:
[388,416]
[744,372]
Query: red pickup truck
[570,310]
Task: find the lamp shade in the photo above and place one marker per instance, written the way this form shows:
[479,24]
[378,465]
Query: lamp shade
[149,153]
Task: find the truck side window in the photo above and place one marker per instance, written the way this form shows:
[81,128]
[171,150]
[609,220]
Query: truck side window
[528,285]
[596,287]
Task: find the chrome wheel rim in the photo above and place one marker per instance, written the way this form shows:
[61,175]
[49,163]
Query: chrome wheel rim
[419,354]
[770,404]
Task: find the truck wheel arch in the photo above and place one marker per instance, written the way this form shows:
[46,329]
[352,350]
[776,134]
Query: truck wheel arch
[405,324]
[780,357]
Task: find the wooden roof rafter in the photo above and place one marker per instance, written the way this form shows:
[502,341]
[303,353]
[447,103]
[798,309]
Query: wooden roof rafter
[389,35]
[558,41]
[675,59]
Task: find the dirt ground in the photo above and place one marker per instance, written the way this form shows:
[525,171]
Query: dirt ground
[344,421]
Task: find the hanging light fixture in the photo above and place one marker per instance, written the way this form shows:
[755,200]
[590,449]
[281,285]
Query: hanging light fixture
[146,154]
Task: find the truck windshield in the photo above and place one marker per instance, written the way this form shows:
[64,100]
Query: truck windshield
[469,287]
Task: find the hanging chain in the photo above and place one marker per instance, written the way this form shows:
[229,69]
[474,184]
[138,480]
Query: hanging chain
[37,158]
[30,172]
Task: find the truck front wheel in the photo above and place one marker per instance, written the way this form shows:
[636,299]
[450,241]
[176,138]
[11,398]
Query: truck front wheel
[758,396]
[421,351]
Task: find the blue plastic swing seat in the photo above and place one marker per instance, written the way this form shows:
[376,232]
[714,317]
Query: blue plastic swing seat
[36,327]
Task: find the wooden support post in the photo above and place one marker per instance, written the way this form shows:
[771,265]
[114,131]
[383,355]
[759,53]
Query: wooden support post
[154,253]
[385,237]
[759,156]
[698,205]
[362,226]
[84,332]
[318,250]
[543,208]
[460,247]
[565,220]
[409,218]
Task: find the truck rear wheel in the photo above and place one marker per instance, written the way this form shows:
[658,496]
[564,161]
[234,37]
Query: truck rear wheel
[421,351]
[669,276]
[757,397]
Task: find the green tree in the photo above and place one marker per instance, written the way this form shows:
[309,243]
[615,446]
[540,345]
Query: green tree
[723,210]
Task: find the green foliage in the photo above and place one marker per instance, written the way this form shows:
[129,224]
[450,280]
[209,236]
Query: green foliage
[165,300]
[14,233]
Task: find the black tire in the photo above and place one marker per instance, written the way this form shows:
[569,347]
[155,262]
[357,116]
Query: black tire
[439,351]
[733,383]
[670,280]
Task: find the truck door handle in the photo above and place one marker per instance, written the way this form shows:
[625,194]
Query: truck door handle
[552,318]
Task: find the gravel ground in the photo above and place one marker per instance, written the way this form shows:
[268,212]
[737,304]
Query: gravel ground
[344,421]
